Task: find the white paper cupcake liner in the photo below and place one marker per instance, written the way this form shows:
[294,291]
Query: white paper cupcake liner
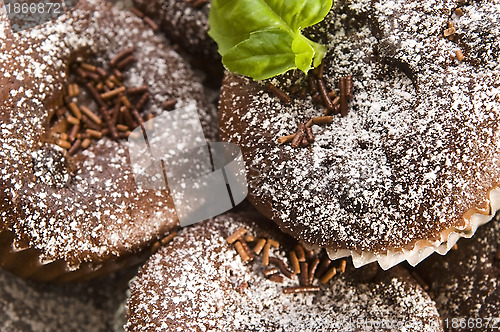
[423,248]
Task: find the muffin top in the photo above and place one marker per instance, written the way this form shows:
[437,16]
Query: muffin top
[417,153]
[84,207]
[90,306]
[199,283]
[184,23]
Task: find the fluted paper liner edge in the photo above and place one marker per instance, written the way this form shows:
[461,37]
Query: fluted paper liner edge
[424,248]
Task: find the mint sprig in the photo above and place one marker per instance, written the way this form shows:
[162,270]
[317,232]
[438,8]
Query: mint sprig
[262,38]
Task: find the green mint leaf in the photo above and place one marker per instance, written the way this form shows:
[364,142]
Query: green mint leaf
[303,51]
[262,39]
[262,55]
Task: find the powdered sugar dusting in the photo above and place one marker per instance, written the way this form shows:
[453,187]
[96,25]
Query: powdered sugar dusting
[87,208]
[418,148]
[466,281]
[91,306]
[198,282]
[183,24]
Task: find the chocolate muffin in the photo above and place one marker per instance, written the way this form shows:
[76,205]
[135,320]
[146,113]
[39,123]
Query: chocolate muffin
[465,283]
[199,282]
[186,24]
[71,90]
[389,151]
[97,305]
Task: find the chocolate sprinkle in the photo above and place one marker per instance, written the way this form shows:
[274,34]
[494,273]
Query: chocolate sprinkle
[312,270]
[304,274]
[259,246]
[324,94]
[328,275]
[301,255]
[283,96]
[270,271]
[276,278]
[151,23]
[299,135]
[343,96]
[236,235]
[309,135]
[282,266]
[300,289]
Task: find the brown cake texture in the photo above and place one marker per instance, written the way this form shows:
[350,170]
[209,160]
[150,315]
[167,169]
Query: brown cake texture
[186,24]
[96,305]
[67,212]
[465,283]
[406,161]
[198,282]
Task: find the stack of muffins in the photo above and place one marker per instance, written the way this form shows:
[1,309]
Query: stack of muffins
[357,172]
